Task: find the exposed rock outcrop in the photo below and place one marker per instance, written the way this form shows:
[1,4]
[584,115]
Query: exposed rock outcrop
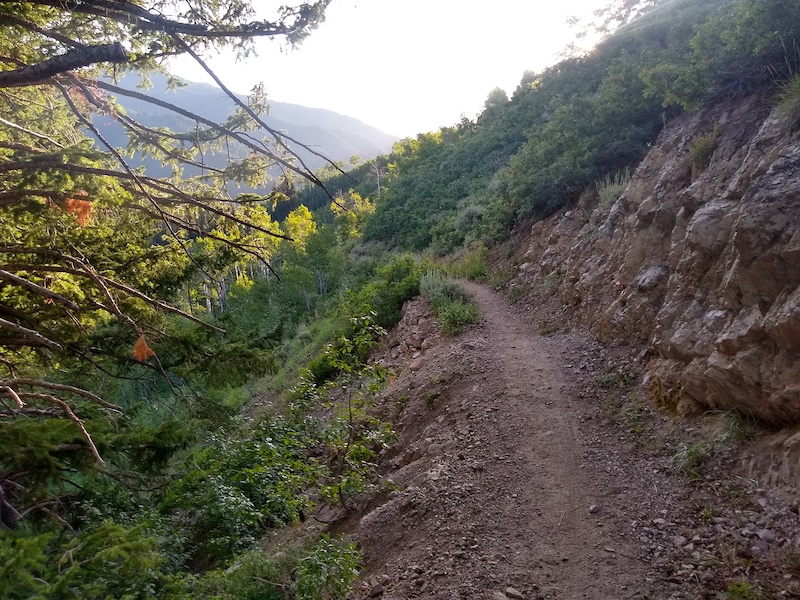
[703,267]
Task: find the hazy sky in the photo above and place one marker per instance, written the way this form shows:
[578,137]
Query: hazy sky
[408,66]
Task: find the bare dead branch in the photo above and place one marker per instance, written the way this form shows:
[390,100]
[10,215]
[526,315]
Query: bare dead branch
[243,139]
[63,388]
[277,136]
[14,396]
[72,417]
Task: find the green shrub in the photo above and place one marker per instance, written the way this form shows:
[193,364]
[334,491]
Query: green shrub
[789,101]
[741,590]
[454,316]
[472,263]
[702,149]
[451,303]
[438,289]
[328,571]
[610,188]
[238,486]
[392,285]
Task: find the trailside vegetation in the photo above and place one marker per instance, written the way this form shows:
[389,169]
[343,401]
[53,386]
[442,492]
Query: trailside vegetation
[140,316]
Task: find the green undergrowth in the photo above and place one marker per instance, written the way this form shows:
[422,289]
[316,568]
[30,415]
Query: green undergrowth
[789,101]
[451,303]
[192,530]
[471,263]
[724,432]
[382,295]
[191,490]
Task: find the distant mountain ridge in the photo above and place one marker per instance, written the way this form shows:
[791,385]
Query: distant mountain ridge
[335,136]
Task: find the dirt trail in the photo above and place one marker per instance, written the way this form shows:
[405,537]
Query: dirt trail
[504,480]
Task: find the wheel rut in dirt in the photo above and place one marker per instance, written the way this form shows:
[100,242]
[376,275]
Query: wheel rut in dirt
[498,494]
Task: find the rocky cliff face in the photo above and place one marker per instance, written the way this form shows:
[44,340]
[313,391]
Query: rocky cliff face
[703,267]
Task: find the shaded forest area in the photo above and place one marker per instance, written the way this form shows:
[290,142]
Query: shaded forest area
[183,369]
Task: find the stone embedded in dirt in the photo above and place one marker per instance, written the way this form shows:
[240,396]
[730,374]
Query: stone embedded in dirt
[376,590]
[593,509]
[514,593]
[499,596]
[766,535]
[679,540]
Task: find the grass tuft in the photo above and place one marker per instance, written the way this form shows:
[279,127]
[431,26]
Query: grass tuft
[451,303]
[611,187]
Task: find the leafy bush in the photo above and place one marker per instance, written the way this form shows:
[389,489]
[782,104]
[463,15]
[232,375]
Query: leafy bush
[439,290]
[392,285]
[328,571]
[472,263]
[238,487]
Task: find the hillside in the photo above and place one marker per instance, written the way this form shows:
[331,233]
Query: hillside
[697,259]
[334,136]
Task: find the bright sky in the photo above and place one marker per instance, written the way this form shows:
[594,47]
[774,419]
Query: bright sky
[407,66]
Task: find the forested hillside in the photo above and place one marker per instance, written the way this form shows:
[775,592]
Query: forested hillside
[584,122]
[184,366]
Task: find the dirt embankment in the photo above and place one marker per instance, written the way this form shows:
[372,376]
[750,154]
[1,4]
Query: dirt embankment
[530,466]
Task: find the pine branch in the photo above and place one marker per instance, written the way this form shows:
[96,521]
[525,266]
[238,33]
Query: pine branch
[135,16]
[37,289]
[35,134]
[156,184]
[84,271]
[72,417]
[72,59]
[62,388]
[30,335]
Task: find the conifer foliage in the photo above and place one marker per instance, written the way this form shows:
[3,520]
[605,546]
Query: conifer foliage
[94,252]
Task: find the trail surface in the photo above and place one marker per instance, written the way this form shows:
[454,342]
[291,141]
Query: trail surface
[507,489]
